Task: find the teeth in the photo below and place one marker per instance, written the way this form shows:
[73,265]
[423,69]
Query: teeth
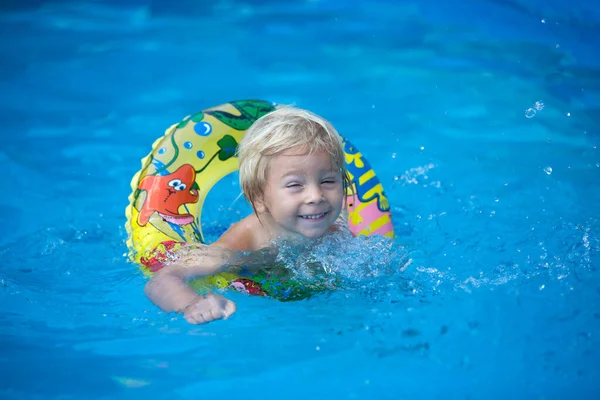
[316,216]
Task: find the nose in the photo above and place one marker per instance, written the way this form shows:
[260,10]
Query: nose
[314,194]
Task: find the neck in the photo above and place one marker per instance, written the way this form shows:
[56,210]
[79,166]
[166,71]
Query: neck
[273,233]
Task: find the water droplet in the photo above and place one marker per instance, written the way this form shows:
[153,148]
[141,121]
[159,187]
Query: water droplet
[539,105]
[162,150]
[548,170]
[422,147]
[542,287]
[557,45]
[393,155]
[530,113]
[188,145]
[568,114]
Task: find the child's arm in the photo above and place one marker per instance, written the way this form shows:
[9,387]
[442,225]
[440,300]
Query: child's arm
[169,291]
[168,288]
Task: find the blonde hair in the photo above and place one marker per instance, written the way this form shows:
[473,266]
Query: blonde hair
[281,130]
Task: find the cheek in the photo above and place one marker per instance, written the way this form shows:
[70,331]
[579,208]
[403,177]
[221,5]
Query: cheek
[336,198]
[340,202]
[284,204]
[339,194]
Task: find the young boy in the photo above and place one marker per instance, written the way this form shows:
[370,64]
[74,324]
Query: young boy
[292,171]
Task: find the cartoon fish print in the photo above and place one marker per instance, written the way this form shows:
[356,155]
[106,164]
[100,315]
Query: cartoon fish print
[165,194]
[248,287]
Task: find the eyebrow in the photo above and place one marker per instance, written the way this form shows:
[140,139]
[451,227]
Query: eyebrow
[297,173]
[291,173]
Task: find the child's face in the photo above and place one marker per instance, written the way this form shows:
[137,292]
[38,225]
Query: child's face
[303,194]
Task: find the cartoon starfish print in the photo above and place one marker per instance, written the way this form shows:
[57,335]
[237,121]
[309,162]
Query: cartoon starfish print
[165,194]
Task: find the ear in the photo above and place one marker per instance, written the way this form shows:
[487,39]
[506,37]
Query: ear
[259,206]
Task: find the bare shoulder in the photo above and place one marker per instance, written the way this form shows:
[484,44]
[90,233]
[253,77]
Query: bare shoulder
[245,235]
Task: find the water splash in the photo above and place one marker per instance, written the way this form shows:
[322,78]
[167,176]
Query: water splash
[415,175]
[343,261]
[531,112]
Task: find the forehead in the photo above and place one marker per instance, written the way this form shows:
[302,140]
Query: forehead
[297,161]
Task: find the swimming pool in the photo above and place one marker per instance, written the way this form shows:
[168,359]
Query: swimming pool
[495,206]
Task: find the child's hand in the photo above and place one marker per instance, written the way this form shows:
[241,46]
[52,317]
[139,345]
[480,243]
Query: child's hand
[208,307]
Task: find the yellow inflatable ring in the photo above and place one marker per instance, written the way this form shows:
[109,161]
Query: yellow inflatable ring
[165,206]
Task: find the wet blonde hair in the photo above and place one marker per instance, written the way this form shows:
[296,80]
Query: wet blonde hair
[281,130]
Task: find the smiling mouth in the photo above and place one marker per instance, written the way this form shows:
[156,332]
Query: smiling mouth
[314,216]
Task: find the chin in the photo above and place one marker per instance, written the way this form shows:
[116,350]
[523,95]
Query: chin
[313,234]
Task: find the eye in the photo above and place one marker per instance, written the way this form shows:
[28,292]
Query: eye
[293,185]
[177,184]
[329,181]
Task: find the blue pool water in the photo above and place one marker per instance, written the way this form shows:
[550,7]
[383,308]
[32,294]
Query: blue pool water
[495,292]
